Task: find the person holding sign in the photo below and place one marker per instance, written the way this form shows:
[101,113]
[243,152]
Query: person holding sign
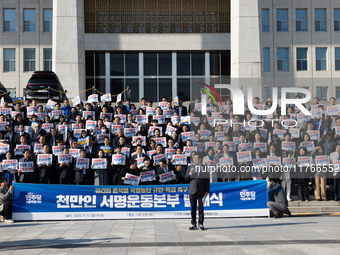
[165,168]
[146,168]
[131,169]
[8,173]
[303,194]
[26,177]
[45,166]
[198,189]
[80,176]
[320,178]
[64,167]
[116,168]
[100,173]
[335,159]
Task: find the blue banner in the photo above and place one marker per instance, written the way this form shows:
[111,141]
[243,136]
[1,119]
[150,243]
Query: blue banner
[62,202]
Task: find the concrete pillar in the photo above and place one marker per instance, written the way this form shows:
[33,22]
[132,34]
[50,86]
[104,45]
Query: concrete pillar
[245,46]
[69,45]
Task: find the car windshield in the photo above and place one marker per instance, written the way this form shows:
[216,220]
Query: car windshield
[43,80]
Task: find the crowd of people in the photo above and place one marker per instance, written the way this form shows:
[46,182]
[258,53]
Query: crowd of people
[105,143]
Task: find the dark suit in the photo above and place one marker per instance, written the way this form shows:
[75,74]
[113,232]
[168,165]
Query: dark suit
[6,136]
[49,139]
[16,139]
[66,173]
[199,184]
[184,110]
[170,168]
[27,177]
[46,173]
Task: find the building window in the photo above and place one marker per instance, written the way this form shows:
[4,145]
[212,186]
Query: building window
[9,60]
[48,20]
[266,59]
[282,20]
[215,63]
[265,20]
[301,20]
[321,59]
[47,59]
[301,59]
[321,93]
[337,59]
[29,20]
[9,20]
[197,63]
[337,20]
[337,92]
[29,60]
[157,16]
[320,20]
[283,59]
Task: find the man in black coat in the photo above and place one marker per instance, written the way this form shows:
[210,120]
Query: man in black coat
[181,109]
[16,138]
[165,168]
[198,188]
[132,169]
[66,173]
[29,177]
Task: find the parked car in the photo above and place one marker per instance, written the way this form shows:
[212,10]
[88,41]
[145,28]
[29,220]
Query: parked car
[6,97]
[43,85]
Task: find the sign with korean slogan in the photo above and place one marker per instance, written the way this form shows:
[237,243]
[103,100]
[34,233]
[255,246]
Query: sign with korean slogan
[105,98]
[57,114]
[75,153]
[130,132]
[44,159]
[118,159]
[77,132]
[11,164]
[6,111]
[168,113]
[245,146]
[38,148]
[179,160]
[273,160]
[204,134]
[160,140]
[109,114]
[47,127]
[333,110]
[142,119]
[20,149]
[187,150]
[76,101]
[31,110]
[135,138]
[89,113]
[309,145]
[4,148]
[140,162]
[279,132]
[131,179]
[150,111]
[261,146]
[226,161]
[322,160]
[147,176]
[167,177]
[90,124]
[83,162]
[26,167]
[259,162]
[83,141]
[157,159]
[314,134]
[187,135]
[119,97]
[3,126]
[175,119]
[294,132]
[159,118]
[122,117]
[162,105]
[92,98]
[170,152]
[126,151]
[305,161]
[64,158]
[317,113]
[288,146]
[244,156]
[99,163]
[57,150]
[75,202]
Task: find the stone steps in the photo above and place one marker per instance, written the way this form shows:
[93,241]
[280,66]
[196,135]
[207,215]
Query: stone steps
[314,207]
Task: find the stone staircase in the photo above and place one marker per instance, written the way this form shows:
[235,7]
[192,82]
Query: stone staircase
[313,206]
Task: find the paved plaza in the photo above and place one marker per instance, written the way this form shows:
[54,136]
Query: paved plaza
[295,235]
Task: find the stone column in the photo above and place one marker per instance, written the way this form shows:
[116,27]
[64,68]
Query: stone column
[245,46]
[69,45]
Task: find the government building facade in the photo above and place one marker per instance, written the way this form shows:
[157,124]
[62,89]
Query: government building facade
[166,48]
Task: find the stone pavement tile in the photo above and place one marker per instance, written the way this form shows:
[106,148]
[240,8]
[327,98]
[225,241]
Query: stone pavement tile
[315,249]
[285,249]
[113,250]
[27,251]
[170,250]
[142,251]
[85,251]
[196,249]
[229,249]
[256,249]
[63,251]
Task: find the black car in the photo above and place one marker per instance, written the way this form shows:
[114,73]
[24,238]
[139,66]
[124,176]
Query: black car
[43,85]
[4,94]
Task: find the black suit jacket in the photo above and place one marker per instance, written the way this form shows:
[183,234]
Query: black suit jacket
[184,110]
[160,170]
[135,156]
[16,139]
[27,177]
[6,136]
[50,140]
[198,185]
